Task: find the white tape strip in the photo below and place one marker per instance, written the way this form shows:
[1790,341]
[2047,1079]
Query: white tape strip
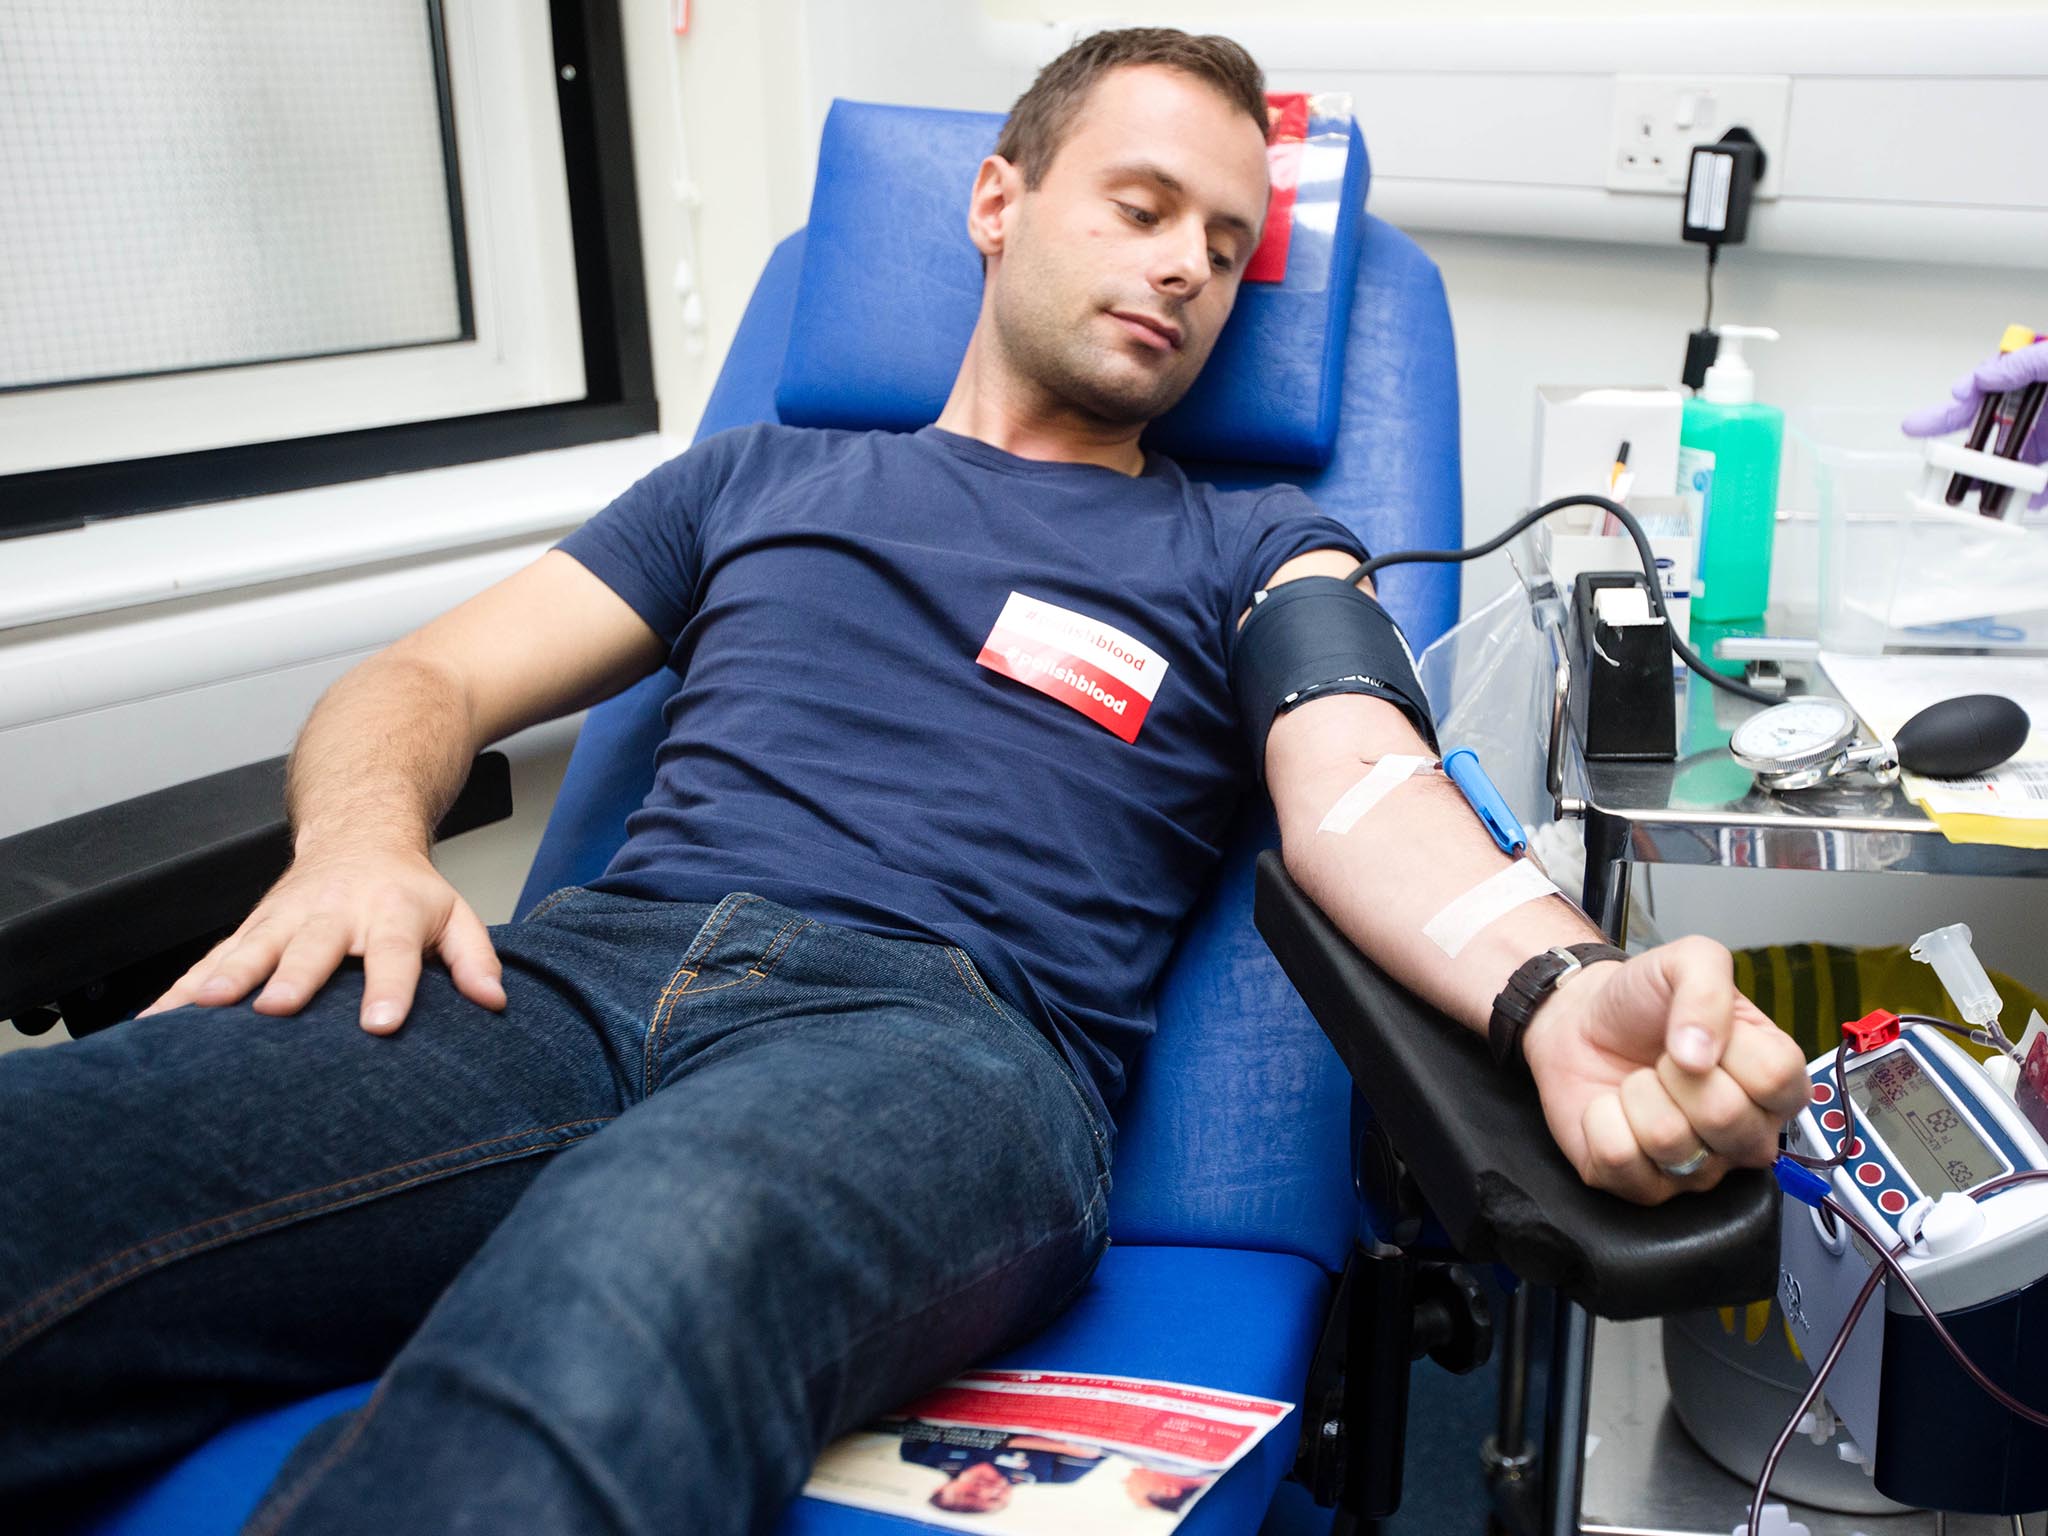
[1370,790]
[1492,898]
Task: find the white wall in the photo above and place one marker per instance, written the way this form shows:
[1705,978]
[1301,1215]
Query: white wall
[744,147]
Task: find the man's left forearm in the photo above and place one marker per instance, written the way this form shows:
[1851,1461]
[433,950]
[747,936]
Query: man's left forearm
[1408,858]
[1656,1076]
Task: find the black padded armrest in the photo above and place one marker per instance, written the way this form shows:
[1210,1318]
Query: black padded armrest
[1474,1140]
[82,898]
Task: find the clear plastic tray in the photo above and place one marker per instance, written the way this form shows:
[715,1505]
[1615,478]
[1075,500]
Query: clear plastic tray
[1899,570]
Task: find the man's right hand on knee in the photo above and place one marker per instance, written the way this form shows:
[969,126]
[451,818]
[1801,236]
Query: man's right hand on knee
[379,761]
[388,907]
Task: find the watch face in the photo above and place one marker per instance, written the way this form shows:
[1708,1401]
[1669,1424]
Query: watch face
[1795,734]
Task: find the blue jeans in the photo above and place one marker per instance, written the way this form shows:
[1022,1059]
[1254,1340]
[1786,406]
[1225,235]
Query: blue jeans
[719,1184]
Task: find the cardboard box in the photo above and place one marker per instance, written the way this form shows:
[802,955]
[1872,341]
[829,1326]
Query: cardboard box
[1578,430]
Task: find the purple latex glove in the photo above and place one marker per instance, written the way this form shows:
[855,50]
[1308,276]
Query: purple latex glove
[2009,370]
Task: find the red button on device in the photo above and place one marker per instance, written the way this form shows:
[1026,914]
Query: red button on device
[1834,1119]
[1891,1202]
[1823,1094]
[1870,1173]
[1853,1147]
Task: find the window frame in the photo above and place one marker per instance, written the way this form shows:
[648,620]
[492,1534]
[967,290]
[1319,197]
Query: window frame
[618,399]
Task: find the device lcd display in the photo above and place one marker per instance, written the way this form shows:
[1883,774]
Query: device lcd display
[1931,1141]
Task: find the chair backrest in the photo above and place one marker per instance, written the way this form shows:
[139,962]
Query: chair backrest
[1236,1132]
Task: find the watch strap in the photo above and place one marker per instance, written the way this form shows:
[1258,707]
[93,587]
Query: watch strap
[1533,981]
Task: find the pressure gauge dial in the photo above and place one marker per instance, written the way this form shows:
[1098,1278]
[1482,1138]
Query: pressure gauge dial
[1807,741]
[1793,735]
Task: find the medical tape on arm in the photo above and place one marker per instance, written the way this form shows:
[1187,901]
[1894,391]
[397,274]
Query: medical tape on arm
[1387,774]
[1491,899]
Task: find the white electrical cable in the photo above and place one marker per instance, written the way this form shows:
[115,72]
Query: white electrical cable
[686,281]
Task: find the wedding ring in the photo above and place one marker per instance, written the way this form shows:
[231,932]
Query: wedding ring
[1689,1167]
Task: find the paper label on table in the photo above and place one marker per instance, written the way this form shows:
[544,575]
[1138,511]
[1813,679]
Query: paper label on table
[1487,902]
[1887,691]
[2012,789]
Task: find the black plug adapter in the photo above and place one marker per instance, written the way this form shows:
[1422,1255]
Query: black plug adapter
[1720,183]
[1701,348]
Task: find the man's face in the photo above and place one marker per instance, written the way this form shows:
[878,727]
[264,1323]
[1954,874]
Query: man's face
[1118,270]
[977,1489]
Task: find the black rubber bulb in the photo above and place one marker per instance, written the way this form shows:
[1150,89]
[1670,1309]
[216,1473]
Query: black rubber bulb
[1959,737]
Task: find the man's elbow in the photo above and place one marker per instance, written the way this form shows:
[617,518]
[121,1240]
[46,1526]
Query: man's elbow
[1297,857]
[409,674]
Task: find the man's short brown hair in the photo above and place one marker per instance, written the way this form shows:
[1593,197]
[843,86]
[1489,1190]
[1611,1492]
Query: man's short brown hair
[1039,121]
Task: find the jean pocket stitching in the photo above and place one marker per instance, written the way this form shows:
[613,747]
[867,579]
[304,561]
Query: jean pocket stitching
[970,977]
[552,900]
[779,946]
[657,1027]
[690,989]
[53,1302]
[706,942]
[687,974]
[684,982]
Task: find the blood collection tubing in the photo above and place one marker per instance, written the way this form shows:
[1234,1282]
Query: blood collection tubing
[1974,1036]
[1889,1263]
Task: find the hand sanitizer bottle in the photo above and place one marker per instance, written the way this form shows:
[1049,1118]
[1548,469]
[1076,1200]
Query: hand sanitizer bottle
[1728,450]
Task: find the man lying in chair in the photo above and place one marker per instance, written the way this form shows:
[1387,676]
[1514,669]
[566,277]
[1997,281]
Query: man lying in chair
[825,1062]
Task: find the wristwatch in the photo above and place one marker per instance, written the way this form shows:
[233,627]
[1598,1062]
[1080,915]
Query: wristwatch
[1534,980]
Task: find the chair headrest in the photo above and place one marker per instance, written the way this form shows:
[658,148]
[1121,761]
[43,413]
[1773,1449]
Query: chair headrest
[891,286]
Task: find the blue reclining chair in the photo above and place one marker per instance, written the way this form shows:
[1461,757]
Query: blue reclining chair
[1236,1224]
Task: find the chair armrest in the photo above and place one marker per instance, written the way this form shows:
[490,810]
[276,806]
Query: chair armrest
[85,897]
[1474,1140]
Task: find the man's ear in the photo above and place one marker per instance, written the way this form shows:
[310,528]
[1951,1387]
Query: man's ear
[997,187]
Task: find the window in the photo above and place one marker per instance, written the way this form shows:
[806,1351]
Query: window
[248,245]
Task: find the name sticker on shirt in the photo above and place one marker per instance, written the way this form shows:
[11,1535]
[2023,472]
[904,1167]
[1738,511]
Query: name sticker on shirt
[1109,676]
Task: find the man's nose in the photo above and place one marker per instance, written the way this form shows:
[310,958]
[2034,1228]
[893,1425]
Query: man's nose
[1181,260]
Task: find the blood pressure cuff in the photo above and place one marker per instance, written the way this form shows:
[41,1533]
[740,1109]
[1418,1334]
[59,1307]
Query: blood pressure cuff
[1314,637]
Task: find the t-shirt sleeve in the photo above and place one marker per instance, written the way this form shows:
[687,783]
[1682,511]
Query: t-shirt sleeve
[647,545]
[1285,523]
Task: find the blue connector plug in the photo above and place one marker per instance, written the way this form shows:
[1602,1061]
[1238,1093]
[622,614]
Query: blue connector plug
[1802,1184]
[1488,804]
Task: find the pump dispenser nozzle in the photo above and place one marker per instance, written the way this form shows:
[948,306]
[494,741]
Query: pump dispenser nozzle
[1731,381]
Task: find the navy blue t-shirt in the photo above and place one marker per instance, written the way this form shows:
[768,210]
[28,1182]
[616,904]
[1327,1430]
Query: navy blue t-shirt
[834,745]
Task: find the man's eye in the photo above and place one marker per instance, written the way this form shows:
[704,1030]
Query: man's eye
[1137,215]
[1220,262]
